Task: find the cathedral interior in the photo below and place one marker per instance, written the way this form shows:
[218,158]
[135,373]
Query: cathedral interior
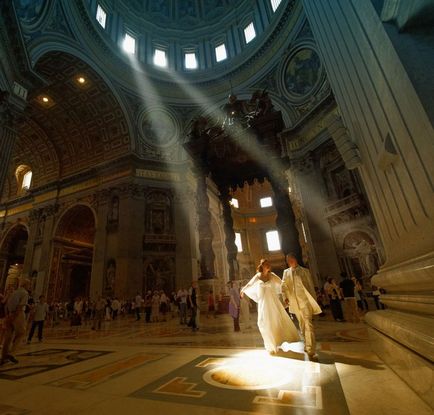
[147,144]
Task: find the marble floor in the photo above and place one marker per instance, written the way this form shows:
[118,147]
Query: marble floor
[163,368]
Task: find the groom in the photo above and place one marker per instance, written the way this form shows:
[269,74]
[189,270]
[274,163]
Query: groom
[299,294]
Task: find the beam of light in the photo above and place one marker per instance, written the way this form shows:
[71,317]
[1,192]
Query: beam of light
[246,139]
[152,99]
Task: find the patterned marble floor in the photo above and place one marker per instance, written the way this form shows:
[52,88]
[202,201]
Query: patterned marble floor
[164,368]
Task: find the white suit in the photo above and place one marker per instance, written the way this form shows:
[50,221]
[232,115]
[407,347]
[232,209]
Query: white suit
[298,289]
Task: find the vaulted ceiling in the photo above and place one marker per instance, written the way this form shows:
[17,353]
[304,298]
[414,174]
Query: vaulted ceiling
[80,125]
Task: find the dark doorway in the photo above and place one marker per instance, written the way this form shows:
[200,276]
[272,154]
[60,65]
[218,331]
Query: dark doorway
[80,281]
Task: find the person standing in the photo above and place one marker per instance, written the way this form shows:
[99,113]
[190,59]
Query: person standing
[138,305]
[182,297]
[245,312]
[3,299]
[376,293]
[148,306]
[116,306]
[350,303]
[41,311]
[234,305]
[100,305]
[77,315]
[299,294]
[335,298]
[15,321]
[273,322]
[155,307]
[164,306]
[192,302]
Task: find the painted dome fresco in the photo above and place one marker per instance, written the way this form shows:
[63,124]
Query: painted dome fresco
[178,14]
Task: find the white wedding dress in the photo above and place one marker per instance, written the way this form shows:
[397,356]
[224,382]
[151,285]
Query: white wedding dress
[274,323]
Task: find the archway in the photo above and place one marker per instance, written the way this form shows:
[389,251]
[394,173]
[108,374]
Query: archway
[71,264]
[12,252]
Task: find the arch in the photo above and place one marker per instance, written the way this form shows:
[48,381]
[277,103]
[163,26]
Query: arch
[72,253]
[67,46]
[68,209]
[12,255]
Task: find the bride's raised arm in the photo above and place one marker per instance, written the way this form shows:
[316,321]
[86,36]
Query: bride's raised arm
[250,283]
[250,289]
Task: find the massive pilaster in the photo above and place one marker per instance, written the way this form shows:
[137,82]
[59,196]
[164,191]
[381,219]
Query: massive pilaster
[231,248]
[7,137]
[207,255]
[388,123]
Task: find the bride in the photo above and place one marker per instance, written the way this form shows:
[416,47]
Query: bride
[274,323]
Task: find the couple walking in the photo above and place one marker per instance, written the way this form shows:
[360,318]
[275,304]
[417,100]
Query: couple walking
[298,293]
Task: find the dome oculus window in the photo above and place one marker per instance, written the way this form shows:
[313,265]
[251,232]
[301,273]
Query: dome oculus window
[273,241]
[190,60]
[101,16]
[249,32]
[160,58]
[129,44]
[220,53]
[275,4]
[266,202]
[238,242]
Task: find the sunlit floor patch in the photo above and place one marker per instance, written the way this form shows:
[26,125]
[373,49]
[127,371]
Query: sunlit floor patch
[252,381]
[249,374]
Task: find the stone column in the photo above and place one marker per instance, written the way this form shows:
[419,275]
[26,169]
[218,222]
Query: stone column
[207,255]
[129,239]
[48,249]
[7,138]
[185,238]
[99,246]
[33,223]
[388,123]
[285,221]
[231,248]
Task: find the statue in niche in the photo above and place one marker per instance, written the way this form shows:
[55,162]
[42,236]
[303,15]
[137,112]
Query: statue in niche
[158,215]
[360,246]
[41,228]
[113,216]
[159,273]
[343,183]
[363,250]
[158,221]
[110,276]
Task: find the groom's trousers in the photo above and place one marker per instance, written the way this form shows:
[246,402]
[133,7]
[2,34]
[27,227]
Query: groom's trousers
[306,326]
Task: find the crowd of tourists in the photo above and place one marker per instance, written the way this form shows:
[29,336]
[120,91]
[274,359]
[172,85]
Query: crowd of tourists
[346,301]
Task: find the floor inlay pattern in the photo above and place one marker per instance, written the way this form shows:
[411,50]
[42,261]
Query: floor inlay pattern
[95,376]
[252,382]
[33,363]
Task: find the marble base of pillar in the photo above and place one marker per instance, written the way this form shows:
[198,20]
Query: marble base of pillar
[402,335]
